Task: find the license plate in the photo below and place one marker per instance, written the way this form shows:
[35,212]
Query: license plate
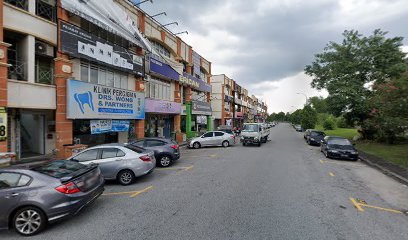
[344,155]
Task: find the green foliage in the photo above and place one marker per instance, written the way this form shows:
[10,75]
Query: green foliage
[308,117]
[342,123]
[280,117]
[389,111]
[345,68]
[319,104]
[329,124]
[296,117]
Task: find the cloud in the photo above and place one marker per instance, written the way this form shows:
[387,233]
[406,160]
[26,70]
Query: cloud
[269,42]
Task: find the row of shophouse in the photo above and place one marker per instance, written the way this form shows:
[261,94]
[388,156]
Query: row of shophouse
[92,72]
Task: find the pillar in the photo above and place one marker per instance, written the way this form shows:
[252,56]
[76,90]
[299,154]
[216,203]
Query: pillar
[209,125]
[177,118]
[188,120]
[140,123]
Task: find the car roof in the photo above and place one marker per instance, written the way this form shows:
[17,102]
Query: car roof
[157,138]
[111,145]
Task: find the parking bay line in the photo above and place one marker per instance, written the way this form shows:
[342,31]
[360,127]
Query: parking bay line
[360,206]
[132,193]
[331,174]
[176,168]
[211,156]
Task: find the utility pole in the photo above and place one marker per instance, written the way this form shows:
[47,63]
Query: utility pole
[233,108]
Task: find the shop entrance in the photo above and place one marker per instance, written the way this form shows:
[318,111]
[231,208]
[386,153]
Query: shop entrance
[158,125]
[32,135]
[82,134]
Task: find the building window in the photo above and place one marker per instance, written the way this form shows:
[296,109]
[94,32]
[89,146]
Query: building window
[46,9]
[17,66]
[199,96]
[95,74]
[158,89]
[203,75]
[22,4]
[161,49]
[44,70]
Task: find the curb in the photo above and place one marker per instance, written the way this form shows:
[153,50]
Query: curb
[387,172]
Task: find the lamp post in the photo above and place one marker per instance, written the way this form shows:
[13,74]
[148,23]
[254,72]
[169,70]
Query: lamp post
[303,95]
[167,24]
[162,13]
[137,4]
[181,33]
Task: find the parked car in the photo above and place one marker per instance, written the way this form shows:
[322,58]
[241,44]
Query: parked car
[213,138]
[254,133]
[315,137]
[30,198]
[226,129]
[166,151]
[118,161]
[307,132]
[338,147]
[298,128]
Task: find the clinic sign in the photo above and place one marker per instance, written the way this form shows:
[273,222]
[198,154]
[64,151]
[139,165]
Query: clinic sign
[93,101]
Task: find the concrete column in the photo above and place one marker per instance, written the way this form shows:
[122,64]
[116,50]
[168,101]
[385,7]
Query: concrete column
[188,120]
[31,6]
[28,56]
[140,128]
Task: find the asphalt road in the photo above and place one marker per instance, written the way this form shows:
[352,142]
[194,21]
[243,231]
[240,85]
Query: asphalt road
[281,190]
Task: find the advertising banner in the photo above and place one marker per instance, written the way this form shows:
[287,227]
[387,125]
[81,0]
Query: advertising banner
[3,124]
[161,106]
[104,126]
[79,43]
[163,69]
[201,108]
[196,64]
[109,16]
[195,82]
[93,101]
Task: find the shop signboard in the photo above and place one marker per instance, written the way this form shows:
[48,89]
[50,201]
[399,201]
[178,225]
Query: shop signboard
[201,108]
[239,115]
[163,69]
[104,126]
[3,124]
[93,101]
[161,106]
[82,44]
[195,83]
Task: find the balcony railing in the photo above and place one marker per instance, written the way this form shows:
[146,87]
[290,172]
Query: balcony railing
[23,4]
[16,70]
[45,10]
[44,75]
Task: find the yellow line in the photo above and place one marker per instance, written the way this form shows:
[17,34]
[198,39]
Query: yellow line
[359,208]
[188,168]
[331,174]
[175,168]
[321,161]
[118,193]
[141,191]
[380,208]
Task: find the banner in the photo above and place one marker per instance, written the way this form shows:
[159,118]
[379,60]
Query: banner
[195,82]
[196,64]
[109,16]
[93,101]
[80,43]
[201,108]
[163,69]
[3,124]
[161,106]
[104,126]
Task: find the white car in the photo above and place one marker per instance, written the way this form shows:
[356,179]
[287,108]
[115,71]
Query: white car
[213,138]
[118,161]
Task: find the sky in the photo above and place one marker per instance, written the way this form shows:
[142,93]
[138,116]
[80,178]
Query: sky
[265,45]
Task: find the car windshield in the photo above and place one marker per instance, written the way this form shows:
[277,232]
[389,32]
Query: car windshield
[316,134]
[340,143]
[59,169]
[250,128]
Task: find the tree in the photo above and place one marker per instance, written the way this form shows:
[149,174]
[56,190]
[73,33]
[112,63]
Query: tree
[296,117]
[345,69]
[308,117]
[319,104]
[388,118]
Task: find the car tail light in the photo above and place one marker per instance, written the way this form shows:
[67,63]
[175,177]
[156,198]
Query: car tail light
[232,137]
[145,158]
[174,146]
[68,188]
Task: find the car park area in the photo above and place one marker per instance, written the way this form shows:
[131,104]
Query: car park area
[240,192]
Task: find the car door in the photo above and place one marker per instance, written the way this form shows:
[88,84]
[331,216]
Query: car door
[111,160]
[219,137]
[11,191]
[155,145]
[207,139]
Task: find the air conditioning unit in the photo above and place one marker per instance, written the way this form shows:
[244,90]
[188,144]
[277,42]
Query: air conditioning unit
[44,49]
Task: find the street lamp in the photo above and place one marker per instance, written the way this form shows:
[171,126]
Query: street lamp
[167,24]
[162,13]
[303,95]
[181,33]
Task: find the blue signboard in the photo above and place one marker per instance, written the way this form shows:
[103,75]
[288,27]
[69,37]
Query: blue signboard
[194,82]
[163,69]
[93,101]
[104,126]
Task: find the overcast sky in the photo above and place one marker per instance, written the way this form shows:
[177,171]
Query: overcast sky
[264,45]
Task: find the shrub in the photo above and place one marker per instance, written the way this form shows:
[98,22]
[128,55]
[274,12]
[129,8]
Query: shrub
[329,124]
[341,122]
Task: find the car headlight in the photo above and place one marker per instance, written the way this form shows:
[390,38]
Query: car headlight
[333,151]
[255,138]
[312,139]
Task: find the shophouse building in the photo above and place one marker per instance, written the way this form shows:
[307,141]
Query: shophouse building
[221,100]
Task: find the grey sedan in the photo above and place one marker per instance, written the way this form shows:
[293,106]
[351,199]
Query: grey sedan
[166,151]
[119,162]
[31,198]
[214,138]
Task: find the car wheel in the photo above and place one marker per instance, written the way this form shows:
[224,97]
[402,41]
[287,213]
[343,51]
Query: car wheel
[243,144]
[326,154]
[225,144]
[308,142]
[126,177]
[164,161]
[259,144]
[29,221]
[196,145]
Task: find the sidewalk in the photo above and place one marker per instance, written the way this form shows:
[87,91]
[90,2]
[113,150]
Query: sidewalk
[387,168]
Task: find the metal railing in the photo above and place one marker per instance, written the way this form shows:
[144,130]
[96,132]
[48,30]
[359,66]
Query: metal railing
[45,10]
[23,4]
[44,75]
[16,70]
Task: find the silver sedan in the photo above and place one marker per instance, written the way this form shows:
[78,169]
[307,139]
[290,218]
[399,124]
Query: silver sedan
[214,138]
[118,161]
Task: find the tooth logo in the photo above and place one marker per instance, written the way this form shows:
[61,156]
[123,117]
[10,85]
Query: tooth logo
[82,99]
